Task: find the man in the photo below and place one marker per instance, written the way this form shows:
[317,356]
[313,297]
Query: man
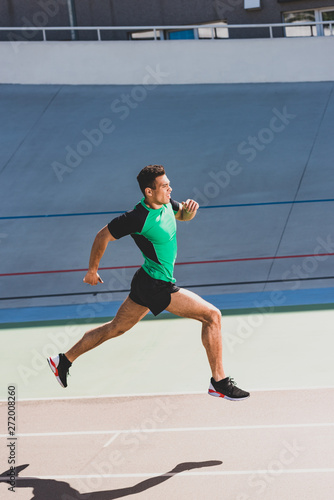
[152,225]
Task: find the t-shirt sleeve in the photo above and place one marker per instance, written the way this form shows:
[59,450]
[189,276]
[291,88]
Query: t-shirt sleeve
[125,224]
[175,205]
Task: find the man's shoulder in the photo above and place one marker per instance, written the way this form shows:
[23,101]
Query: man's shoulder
[175,205]
[139,211]
[129,222]
[140,206]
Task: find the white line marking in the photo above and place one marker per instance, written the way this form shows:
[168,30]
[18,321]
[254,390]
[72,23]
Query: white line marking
[115,436]
[106,396]
[206,473]
[172,429]
[186,393]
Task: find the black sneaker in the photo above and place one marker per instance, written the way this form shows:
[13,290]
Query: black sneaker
[60,366]
[227,389]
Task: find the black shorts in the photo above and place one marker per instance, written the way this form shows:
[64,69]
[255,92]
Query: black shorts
[150,292]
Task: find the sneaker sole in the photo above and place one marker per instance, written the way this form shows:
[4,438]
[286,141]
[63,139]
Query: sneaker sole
[54,370]
[219,395]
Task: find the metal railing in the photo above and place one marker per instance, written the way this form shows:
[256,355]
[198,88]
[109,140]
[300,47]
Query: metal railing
[156,29]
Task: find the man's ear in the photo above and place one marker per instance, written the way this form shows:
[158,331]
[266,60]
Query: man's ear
[148,192]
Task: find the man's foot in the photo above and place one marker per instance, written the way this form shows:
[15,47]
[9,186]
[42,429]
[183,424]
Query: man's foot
[60,366]
[227,389]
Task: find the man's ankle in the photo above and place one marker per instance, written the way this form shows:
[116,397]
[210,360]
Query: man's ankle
[217,377]
[67,357]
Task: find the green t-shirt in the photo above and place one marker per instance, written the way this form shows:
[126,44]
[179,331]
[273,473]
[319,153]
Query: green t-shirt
[154,232]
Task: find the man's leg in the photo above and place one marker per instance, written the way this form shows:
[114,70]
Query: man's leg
[189,305]
[127,316]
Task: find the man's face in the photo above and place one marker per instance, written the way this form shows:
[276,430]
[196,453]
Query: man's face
[161,193]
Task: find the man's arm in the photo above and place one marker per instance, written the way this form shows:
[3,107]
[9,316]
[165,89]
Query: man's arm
[99,246]
[187,210]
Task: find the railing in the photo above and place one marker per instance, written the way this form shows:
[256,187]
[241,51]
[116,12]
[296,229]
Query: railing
[161,29]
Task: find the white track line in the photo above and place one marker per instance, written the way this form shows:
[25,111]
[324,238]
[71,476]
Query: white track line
[115,436]
[183,473]
[158,394]
[172,429]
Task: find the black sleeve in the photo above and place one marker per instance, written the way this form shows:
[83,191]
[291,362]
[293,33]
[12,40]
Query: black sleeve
[128,223]
[175,205]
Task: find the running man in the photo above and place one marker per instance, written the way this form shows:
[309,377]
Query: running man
[152,225]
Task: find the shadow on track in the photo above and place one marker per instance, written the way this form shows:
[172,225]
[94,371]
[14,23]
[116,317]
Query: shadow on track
[59,490]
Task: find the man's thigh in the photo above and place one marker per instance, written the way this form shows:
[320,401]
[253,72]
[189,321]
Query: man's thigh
[129,314]
[190,305]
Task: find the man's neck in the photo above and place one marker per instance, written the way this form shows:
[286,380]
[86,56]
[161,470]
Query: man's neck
[153,205]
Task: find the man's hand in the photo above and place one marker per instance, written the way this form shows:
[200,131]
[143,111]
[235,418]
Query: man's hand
[92,278]
[189,209]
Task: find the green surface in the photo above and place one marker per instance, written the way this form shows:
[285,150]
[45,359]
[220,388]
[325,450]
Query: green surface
[261,351]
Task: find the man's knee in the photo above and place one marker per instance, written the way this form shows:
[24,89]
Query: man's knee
[213,316]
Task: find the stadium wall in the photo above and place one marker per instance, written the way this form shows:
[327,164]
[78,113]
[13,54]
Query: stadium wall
[168,62]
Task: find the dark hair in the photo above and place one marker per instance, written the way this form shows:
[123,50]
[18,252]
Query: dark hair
[146,177]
